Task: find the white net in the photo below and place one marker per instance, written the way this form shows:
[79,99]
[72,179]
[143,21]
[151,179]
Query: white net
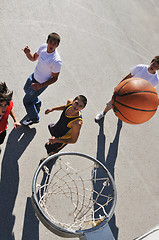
[75,193]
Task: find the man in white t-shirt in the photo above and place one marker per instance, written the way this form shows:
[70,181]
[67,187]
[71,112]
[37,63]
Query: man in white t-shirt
[46,73]
[146,72]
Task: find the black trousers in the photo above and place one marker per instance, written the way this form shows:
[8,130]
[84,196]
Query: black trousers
[2,136]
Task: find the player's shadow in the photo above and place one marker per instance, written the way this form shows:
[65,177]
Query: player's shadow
[31,223]
[109,161]
[18,141]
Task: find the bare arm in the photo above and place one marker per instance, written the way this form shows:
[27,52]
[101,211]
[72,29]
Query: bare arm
[61,108]
[128,76]
[75,126]
[52,80]
[16,122]
[31,57]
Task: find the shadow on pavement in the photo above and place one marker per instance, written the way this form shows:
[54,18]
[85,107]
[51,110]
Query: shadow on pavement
[31,223]
[109,160]
[18,141]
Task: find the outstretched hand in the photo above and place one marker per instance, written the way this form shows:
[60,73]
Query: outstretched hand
[48,111]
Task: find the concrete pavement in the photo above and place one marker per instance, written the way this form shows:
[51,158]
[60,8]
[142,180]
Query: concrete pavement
[101,41]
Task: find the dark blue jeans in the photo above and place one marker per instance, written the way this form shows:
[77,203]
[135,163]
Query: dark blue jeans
[31,101]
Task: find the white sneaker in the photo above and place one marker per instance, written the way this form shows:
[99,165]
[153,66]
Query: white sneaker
[99,116]
[28,122]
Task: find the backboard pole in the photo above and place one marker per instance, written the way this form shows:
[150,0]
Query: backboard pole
[103,233]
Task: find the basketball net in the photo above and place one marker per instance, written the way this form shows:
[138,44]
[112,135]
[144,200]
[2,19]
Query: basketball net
[84,195]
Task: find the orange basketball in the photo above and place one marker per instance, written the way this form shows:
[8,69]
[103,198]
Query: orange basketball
[135,100]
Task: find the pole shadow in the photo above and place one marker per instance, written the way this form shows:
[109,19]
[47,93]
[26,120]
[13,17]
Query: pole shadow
[18,141]
[109,160]
[31,223]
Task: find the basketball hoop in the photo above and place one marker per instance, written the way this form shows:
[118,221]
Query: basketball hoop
[73,193]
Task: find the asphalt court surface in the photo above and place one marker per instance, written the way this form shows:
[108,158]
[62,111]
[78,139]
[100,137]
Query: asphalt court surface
[100,42]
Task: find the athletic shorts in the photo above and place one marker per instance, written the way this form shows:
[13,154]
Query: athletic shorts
[53,147]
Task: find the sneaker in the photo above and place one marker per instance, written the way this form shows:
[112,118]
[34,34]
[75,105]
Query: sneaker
[99,116]
[28,122]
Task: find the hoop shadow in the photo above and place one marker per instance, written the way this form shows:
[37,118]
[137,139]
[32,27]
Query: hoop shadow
[109,162]
[46,174]
[17,142]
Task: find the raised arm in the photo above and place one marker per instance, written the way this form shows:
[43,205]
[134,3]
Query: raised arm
[59,108]
[31,57]
[128,76]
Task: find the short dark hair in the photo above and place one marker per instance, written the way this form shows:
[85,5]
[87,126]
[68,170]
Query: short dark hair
[82,98]
[156,59]
[5,93]
[55,37]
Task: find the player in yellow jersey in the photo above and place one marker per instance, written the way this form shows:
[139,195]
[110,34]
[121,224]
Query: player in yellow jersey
[67,129]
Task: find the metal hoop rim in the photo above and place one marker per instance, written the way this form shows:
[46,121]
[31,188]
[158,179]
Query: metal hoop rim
[46,221]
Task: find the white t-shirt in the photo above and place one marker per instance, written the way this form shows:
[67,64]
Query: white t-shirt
[47,63]
[141,71]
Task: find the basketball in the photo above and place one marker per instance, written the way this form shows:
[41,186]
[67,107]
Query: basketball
[135,100]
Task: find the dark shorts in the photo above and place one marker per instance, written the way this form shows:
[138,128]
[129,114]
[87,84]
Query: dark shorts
[51,129]
[55,148]
[2,136]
